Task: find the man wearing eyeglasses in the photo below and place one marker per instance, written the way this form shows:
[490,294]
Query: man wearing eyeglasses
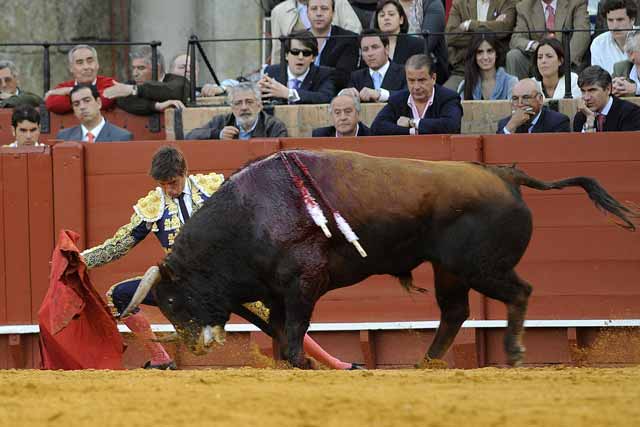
[304,82]
[529,115]
[246,120]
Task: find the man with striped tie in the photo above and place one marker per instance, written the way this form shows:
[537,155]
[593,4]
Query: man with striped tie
[86,104]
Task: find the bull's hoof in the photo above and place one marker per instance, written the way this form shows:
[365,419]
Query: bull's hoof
[515,357]
[429,363]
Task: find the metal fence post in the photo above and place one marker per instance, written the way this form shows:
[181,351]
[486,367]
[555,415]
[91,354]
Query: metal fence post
[566,41]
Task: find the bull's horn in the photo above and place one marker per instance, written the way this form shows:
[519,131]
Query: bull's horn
[150,278]
[219,334]
[173,336]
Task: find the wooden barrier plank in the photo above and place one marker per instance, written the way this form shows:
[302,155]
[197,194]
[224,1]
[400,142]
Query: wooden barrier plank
[69,188]
[138,125]
[3,243]
[41,233]
[16,227]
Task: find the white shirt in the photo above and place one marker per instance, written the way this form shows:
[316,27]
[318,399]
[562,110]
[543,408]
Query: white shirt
[293,93]
[633,75]
[414,111]
[483,9]
[302,13]
[187,200]
[559,92]
[384,94]
[605,52]
[95,131]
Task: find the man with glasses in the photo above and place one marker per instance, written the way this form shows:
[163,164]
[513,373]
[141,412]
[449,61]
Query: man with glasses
[246,120]
[529,115]
[304,82]
[10,93]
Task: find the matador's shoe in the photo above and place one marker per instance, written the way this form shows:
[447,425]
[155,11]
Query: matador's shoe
[169,366]
[357,367]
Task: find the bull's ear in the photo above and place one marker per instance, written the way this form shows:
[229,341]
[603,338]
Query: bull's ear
[166,272]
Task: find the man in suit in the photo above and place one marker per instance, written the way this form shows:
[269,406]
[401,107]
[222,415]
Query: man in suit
[335,49]
[291,15]
[10,93]
[389,76]
[465,17]
[305,83]
[345,115]
[556,15]
[86,102]
[84,66]
[598,110]
[144,96]
[426,108]
[626,78]
[246,120]
[529,115]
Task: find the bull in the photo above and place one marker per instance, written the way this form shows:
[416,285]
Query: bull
[254,241]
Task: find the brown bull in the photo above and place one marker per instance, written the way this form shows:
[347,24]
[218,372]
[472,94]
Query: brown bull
[254,240]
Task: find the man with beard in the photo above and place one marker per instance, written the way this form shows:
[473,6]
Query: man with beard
[246,120]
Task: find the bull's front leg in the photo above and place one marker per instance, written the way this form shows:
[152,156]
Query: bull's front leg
[296,325]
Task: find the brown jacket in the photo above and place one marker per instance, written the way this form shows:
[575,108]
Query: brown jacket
[463,10]
[571,14]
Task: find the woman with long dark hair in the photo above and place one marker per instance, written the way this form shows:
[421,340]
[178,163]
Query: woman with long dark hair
[391,19]
[484,78]
[548,70]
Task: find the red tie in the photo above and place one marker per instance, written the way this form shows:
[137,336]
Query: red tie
[601,118]
[90,138]
[551,18]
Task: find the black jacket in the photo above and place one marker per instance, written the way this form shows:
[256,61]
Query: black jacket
[363,130]
[394,79]
[406,47]
[623,116]
[172,86]
[549,121]
[340,53]
[267,127]
[318,86]
[443,116]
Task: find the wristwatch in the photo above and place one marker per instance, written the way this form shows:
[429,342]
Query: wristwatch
[412,123]
[134,90]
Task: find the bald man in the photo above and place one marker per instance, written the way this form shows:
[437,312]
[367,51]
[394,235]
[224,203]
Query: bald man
[344,110]
[528,113]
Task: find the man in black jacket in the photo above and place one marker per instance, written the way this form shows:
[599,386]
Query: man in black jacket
[426,108]
[345,115]
[528,113]
[337,47]
[381,78]
[144,96]
[598,110]
[303,82]
[246,120]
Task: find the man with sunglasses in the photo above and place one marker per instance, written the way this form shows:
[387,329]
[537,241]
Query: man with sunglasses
[246,120]
[305,83]
[529,115]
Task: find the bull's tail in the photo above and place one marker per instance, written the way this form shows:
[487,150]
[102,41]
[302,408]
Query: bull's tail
[601,197]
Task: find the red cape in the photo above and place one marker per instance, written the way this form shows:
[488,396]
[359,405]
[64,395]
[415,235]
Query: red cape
[77,330]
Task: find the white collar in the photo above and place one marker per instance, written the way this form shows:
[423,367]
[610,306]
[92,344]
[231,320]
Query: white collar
[382,70]
[607,106]
[553,4]
[301,77]
[95,131]
[94,83]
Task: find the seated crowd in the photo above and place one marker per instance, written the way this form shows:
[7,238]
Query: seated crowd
[330,59]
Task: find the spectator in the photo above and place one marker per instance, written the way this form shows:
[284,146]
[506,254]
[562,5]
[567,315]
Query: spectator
[336,51]
[25,126]
[87,103]
[381,77]
[144,96]
[529,115]
[291,15]
[548,69]
[246,120]
[598,110]
[608,48]
[306,83]
[530,16]
[83,65]
[485,77]
[344,110]
[428,17]
[626,81]
[475,16]
[10,93]
[391,19]
[425,108]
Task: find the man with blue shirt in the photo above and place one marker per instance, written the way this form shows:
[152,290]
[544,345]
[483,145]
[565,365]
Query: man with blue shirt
[246,120]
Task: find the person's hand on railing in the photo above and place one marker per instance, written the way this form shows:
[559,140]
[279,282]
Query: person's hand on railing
[623,86]
[171,103]
[120,90]
[369,95]
[61,91]
[271,88]
[211,89]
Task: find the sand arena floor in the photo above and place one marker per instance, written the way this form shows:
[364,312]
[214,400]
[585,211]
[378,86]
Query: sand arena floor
[287,397]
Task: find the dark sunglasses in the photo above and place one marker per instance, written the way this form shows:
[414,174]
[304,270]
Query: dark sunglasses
[304,52]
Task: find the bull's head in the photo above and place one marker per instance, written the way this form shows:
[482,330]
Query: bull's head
[197,323]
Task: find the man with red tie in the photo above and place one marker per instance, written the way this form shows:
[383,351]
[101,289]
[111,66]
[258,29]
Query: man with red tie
[86,103]
[598,110]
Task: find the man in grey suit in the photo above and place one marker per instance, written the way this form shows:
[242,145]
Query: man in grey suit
[86,104]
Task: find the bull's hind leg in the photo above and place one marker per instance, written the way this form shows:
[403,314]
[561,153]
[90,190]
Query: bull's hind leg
[452,295]
[514,292]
